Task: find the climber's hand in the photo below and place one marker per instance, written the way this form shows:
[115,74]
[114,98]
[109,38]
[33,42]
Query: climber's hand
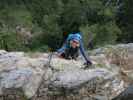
[88,63]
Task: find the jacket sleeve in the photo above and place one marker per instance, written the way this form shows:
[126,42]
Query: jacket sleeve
[83,52]
[62,49]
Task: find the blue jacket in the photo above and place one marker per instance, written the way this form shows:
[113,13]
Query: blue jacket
[76,36]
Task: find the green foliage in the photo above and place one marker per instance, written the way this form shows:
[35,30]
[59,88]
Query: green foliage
[125,21]
[56,17]
[98,20]
[38,44]
[10,41]
[10,18]
[104,34]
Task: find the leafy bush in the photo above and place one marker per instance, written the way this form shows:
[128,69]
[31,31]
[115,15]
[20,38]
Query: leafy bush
[48,19]
[9,41]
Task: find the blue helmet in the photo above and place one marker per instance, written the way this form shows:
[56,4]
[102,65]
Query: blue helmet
[76,36]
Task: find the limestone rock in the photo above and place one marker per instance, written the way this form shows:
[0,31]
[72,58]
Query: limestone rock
[18,71]
[31,76]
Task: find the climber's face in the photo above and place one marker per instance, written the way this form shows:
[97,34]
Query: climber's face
[74,43]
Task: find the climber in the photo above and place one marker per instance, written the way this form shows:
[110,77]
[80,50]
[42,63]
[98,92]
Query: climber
[71,47]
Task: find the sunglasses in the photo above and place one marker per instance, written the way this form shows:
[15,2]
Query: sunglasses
[75,42]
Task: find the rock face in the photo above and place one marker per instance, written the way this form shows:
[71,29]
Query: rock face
[120,55]
[32,76]
[126,95]
[20,72]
